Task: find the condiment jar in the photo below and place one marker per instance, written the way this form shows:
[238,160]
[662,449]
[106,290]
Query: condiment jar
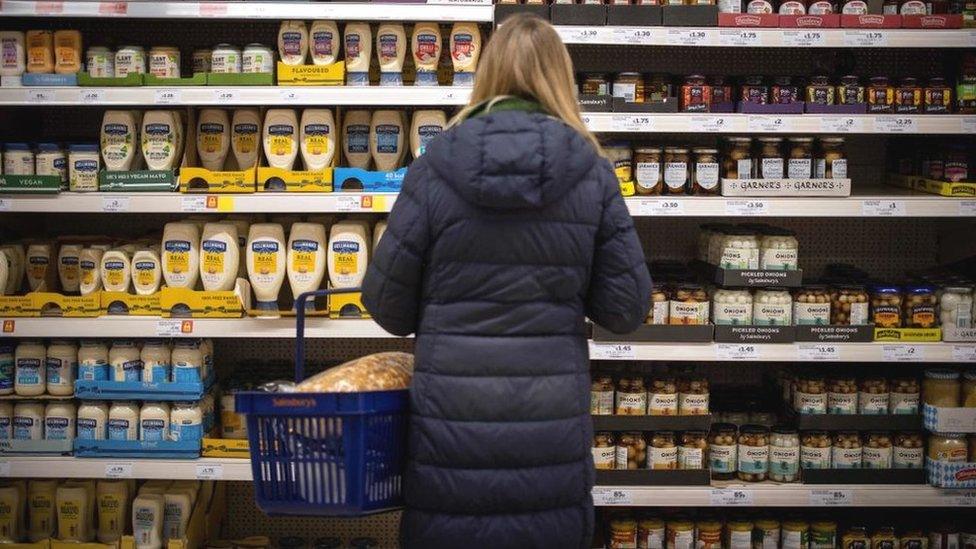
[872,396]
[754,91]
[722,451]
[696,95]
[819,91]
[811,306]
[753,453]
[595,84]
[842,396]
[937,96]
[708,533]
[604,451]
[919,307]
[737,161]
[659,312]
[810,395]
[648,173]
[739,533]
[623,532]
[831,163]
[849,305]
[601,396]
[948,447]
[772,307]
[969,390]
[795,534]
[877,452]
[631,398]
[770,162]
[909,451]
[721,88]
[693,396]
[662,452]
[886,305]
[779,251]
[783,91]
[650,533]
[681,534]
[739,250]
[631,451]
[881,96]
[621,156]
[904,396]
[956,307]
[732,307]
[855,536]
[663,397]
[675,170]
[629,86]
[815,450]
[689,306]
[705,177]
[850,91]
[941,388]
[908,96]
[784,454]
[657,88]
[766,532]
[693,450]
[846,451]
[800,164]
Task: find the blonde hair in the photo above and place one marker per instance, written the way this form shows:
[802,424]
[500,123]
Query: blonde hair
[526,58]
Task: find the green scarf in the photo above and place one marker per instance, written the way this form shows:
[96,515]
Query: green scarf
[508,103]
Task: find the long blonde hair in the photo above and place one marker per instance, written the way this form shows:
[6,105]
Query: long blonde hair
[526,58]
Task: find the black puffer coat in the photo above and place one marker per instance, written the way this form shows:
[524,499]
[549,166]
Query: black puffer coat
[509,230]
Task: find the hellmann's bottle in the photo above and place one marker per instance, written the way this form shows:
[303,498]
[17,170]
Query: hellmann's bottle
[317,138]
[358,41]
[348,253]
[425,47]
[465,51]
[266,259]
[306,259]
[391,49]
[219,256]
[387,140]
[355,139]
[181,255]
[426,125]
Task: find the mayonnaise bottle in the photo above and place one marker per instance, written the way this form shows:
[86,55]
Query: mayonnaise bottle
[157,362]
[386,140]
[28,420]
[266,258]
[154,421]
[425,47]
[306,259]
[124,361]
[119,140]
[219,256]
[30,374]
[181,255]
[317,138]
[59,420]
[465,50]
[324,42]
[187,360]
[93,360]
[68,274]
[160,141]
[40,51]
[147,521]
[378,231]
[245,129]
[213,138]
[112,501]
[243,227]
[355,139]
[281,138]
[391,49]
[348,254]
[89,268]
[74,522]
[178,504]
[16,264]
[41,274]
[92,422]
[426,125]
[186,421]
[146,272]
[11,513]
[293,42]
[61,367]
[6,420]
[116,271]
[41,509]
[358,42]
[123,421]
[4,272]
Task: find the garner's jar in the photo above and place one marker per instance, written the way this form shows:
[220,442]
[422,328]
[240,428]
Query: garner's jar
[831,163]
[737,163]
[675,170]
[800,165]
[601,396]
[648,170]
[769,165]
[705,171]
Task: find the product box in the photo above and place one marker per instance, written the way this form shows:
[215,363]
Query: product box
[130,80]
[312,75]
[958,335]
[240,79]
[138,181]
[835,334]
[504,11]
[936,21]
[198,79]
[788,188]
[193,178]
[142,390]
[30,184]
[595,103]
[635,16]
[769,20]
[126,449]
[863,476]
[270,179]
[578,14]
[65,306]
[649,477]
[870,21]
[348,305]
[184,303]
[831,21]
[949,420]
[652,423]
[754,334]
[923,335]
[946,474]
[664,333]
[48,80]
[670,105]
[18,306]
[358,180]
[126,304]
[226,448]
[10,447]
[747,107]
[690,16]
[933,186]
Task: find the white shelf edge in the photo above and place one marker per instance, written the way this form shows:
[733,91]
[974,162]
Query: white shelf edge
[446,11]
[72,467]
[281,328]
[723,123]
[778,352]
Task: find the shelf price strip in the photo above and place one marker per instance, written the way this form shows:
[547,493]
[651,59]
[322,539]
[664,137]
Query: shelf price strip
[831,498]
[213,471]
[608,496]
[730,497]
[612,351]
[118,470]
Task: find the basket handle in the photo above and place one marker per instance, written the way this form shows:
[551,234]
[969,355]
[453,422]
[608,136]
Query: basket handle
[300,325]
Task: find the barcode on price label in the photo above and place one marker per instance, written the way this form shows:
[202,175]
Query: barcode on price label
[193,203]
[731,497]
[903,353]
[348,203]
[210,472]
[968,123]
[661,207]
[612,351]
[961,498]
[173,328]
[831,497]
[118,470]
[817,352]
[732,351]
[607,496]
[290,95]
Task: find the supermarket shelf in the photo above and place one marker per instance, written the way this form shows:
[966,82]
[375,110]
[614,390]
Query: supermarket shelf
[240,95]
[786,123]
[768,38]
[161,202]
[785,352]
[447,10]
[70,467]
[317,327]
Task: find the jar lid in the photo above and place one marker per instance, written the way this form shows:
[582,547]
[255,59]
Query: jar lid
[821,79]
[783,80]
[131,47]
[801,140]
[48,147]
[885,289]
[784,430]
[664,433]
[920,289]
[753,80]
[628,74]
[98,48]
[777,289]
[256,45]
[959,289]
[676,150]
[753,429]
[648,150]
[225,46]
[852,287]
[704,150]
[83,147]
[832,140]
[739,139]
[949,435]
[879,79]
[771,139]
[17,147]
[328,543]
[937,81]
[941,373]
[909,81]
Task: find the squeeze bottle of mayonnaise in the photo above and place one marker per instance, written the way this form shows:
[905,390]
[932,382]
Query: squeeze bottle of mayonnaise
[146,272]
[355,139]
[245,129]
[41,272]
[465,50]
[16,260]
[348,253]
[306,259]
[323,42]
[68,273]
[181,255]
[219,256]
[391,49]
[426,125]
[213,138]
[293,42]
[386,139]
[89,268]
[358,49]
[4,271]
[425,47]
[116,271]
[317,138]
[266,258]
[281,138]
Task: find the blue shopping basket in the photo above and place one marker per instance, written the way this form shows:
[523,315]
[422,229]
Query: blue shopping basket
[325,454]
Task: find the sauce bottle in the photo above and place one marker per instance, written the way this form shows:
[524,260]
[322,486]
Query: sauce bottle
[358,51]
[391,48]
[465,50]
[425,47]
[426,125]
[317,138]
[213,138]
[181,255]
[293,42]
[40,51]
[324,42]
[266,266]
[355,139]
[386,139]
[245,129]
[281,138]
[306,259]
[146,272]
[219,256]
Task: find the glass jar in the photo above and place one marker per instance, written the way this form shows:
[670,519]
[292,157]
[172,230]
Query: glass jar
[819,91]
[693,452]
[849,306]
[886,305]
[810,395]
[795,534]
[905,396]
[784,91]
[621,156]
[663,451]
[850,91]
[800,164]
[721,90]
[681,534]
[689,306]
[648,173]
[650,533]
[784,454]
[705,178]
[693,396]
[912,538]
[631,451]
[663,397]
[920,307]
[675,170]
[754,91]
[732,307]
[884,537]
[753,453]
[811,306]
[696,95]
[604,451]
[660,305]
[722,451]
[708,534]
[779,251]
[968,399]
[937,96]
[956,307]
[815,450]
[855,536]
[877,452]
[846,451]
[631,398]
[941,388]
[831,163]
[595,83]
[909,451]
[657,88]
[737,162]
[739,533]
[772,307]
[842,396]
[601,396]
[908,97]
[949,447]
[872,396]
[881,96]
[629,86]
[623,532]
[770,164]
[739,250]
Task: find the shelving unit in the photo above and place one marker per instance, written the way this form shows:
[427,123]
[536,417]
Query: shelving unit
[886,124]
[785,352]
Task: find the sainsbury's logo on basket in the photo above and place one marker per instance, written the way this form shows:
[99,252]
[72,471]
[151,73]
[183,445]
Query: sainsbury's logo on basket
[293,402]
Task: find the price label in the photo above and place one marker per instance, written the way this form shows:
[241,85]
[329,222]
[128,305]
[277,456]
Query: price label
[606,496]
[48,8]
[769,124]
[450,96]
[115,204]
[5,204]
[831,497]
[168,96]
[961,498]
[612,351]
[40,95]
[732,351]
[818,352]
[579,35]
[290,96]
[746,207]
[685,37]
[895,124]
[631,123]
[865,39]
[212,9]
[9,326]
[91,96]
[804,38]
[118,470]
[113,8]
[903,353]
[964,353]
[727,496]
[739,38]
[210,472]
[4,468]
[173,328]
[193,203]
[841,124]
[638,35]
[347,203]
[225,96]
[710,124]
[968,124]
[882,208]
[661,207]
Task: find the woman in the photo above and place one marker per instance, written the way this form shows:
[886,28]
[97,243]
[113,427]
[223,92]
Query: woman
[509,230]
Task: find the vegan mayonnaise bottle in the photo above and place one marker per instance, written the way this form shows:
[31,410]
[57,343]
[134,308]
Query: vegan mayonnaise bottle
[266,258]
[119,140]
[160,143]
[306,259]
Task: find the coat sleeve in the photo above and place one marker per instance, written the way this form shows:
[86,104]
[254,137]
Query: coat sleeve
[620,286]
[392,286]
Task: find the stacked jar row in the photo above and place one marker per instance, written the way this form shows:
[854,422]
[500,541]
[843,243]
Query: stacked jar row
[659,396]
[748,246]
[660,450]
[846,395]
